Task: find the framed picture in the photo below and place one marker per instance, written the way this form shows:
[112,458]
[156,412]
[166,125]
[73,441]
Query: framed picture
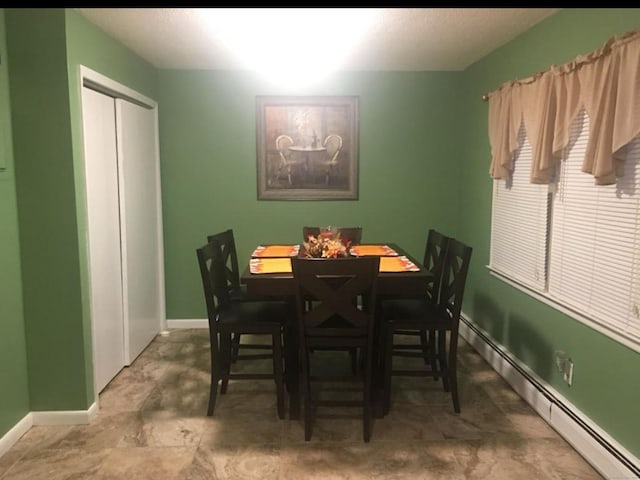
[307,148]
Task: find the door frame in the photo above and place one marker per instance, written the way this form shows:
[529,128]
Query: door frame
[99,82]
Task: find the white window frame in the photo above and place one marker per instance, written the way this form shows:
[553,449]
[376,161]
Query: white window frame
[620,322]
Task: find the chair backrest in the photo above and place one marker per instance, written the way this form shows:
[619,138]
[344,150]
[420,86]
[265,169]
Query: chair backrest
[283,142]
[333,144]
[347,234]
[435,254]
[336,286]
[229,257]
[214,279]
[454,278]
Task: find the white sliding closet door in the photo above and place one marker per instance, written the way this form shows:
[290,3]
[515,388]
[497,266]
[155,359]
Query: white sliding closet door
[141,225]
[124,230]
[105,263]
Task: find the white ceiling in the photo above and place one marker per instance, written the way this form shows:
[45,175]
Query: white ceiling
[403,39]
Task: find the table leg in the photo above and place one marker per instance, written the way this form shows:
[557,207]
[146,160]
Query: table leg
[292,365]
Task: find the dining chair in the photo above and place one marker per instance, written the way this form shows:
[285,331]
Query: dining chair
[436,316]
[227,243]
[333,144]
[348,235]
[435,253]
[229,318]
[335,320]
[237,291]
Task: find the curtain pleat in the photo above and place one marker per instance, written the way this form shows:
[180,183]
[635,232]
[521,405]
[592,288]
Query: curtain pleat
[606,82]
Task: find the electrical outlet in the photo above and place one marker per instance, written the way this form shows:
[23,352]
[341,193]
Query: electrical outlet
[565,366]
[568,371]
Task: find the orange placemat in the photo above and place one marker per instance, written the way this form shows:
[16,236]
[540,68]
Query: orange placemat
[276,251]
[379,250]
[397,264]
[270,265]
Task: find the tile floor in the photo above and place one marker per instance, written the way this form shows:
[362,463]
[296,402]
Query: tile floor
[152,424]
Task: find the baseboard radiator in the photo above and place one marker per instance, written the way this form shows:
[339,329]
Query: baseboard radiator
[596,446]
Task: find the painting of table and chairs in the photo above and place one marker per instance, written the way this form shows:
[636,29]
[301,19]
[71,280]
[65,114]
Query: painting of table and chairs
[307,148]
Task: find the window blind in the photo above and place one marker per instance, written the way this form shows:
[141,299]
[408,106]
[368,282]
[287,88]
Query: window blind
[595,229]
[519,223]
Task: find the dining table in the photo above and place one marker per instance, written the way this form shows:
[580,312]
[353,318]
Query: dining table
[268,273]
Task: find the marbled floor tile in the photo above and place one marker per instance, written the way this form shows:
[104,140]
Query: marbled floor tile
[258,403]
[161,349]
[497,458]
[185,392]
[331,425]
[498,390]
[184,335]
[525,421]
[242,429]
[162,428]
[246,462]
[152,425]
[475,421]
[58,464]
[502,458]
[359,461]
[195,355]
[125,393]
[38,437]
[105,431]
[146,464]
[561,461]
[407,423]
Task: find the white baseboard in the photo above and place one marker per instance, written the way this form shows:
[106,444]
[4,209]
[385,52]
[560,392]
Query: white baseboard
[70,417]
[613,461]
[65,417]
[188,323]
[12,436]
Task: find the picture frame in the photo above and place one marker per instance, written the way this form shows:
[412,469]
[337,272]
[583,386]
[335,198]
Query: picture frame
[307,147]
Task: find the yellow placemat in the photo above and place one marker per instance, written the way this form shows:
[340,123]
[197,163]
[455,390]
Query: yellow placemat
[270,265]
[397,264]
[276,251]
[379,250]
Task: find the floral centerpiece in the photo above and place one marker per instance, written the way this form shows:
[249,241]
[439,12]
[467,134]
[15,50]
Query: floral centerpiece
[327,245]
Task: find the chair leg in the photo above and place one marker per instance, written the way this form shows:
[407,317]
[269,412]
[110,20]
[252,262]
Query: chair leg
[442,359]
[225,360]
[306,395]
[431,341]
[453,371]
[276,340]
[353,353]
[235,347]
[388,365]
[367,399]
[453,376]
[215,376]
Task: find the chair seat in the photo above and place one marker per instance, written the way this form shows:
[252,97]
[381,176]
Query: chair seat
[414,313]
[259,314]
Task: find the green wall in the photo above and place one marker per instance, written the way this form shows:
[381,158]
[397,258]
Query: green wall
[46,209]
[14,400]
[606,383]
[408,166]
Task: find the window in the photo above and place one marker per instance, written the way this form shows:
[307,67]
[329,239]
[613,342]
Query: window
[575,243]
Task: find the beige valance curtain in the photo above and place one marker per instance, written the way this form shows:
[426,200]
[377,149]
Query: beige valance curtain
[605,82]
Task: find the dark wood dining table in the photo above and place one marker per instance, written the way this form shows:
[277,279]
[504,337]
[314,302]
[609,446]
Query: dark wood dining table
[282,285]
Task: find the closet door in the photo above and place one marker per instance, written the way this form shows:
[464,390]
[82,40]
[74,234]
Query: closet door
[103,228]
[141,225]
